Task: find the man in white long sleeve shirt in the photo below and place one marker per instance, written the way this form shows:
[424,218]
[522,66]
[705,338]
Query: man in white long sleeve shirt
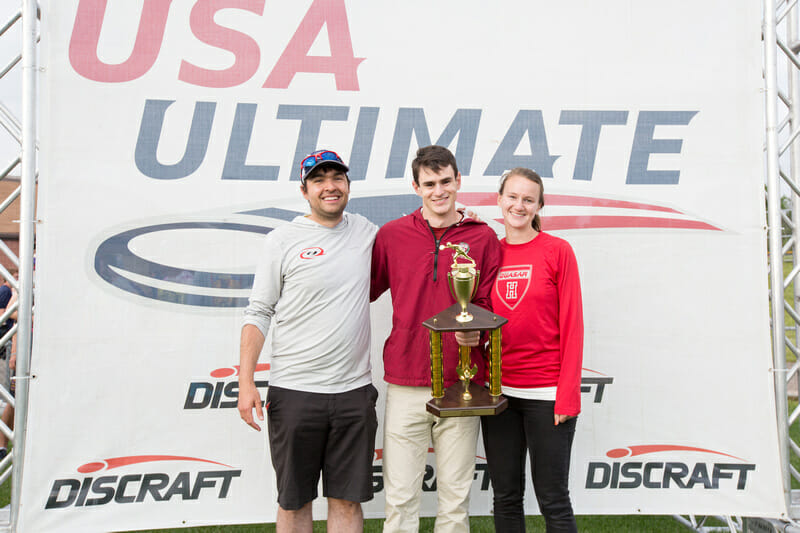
[312,288]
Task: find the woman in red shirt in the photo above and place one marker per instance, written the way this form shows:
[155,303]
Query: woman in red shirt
[538,290]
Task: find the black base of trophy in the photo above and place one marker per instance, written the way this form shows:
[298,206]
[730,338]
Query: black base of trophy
[452,404]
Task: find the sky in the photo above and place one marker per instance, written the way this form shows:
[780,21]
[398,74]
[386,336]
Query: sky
[11,83]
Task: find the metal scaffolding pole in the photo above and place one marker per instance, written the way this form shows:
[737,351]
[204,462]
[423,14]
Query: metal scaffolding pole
[775,236]
[793,245]
[27,195]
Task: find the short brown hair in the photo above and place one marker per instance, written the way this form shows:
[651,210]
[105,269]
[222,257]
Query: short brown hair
[434,157]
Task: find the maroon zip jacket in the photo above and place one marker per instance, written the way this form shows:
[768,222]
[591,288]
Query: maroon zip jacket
[406,259]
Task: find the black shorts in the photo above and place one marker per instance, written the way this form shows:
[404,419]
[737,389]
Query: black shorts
[313,432]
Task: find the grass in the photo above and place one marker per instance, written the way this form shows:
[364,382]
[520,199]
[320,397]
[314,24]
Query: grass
[794,435]
[794,429]
[788,295]
[483,524]
[5,488]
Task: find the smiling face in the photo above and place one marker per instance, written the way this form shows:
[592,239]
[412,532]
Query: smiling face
[519,202]
[327,191]
[438,191]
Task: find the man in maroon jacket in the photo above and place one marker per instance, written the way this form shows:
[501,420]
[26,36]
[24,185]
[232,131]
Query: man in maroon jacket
[407,260]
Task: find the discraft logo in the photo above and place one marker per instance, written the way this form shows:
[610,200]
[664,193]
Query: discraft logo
[99,486]
[664,466]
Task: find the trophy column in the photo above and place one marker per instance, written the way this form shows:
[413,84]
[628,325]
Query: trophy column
[494,363]
[437,377]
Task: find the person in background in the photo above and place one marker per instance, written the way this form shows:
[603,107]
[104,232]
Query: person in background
[8,297]
[538,290]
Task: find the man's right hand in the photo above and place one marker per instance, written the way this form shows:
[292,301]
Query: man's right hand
[468,338]
[249,400]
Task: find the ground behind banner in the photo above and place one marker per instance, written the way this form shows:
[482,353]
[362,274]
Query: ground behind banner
[483,524]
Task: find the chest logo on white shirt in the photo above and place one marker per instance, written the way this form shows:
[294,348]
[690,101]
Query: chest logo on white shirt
[310,253]
[512,284]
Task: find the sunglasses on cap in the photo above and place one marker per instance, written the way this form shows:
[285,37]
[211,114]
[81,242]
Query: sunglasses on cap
[315,158]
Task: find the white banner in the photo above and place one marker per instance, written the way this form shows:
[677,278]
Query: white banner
[171,132]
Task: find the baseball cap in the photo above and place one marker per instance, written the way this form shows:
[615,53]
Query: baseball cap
[318,158]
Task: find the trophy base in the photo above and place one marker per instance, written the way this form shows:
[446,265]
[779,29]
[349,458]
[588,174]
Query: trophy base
[452,404]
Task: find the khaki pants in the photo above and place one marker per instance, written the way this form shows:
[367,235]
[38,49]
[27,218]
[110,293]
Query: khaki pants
[408,431]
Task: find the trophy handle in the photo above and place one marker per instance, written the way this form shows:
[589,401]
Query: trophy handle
[450,286]
[475,288]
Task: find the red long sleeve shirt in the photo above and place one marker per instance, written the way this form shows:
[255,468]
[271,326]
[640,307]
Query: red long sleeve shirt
[538,290]
[407,260]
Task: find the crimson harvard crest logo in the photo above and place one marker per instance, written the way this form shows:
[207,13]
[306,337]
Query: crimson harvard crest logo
[512,283]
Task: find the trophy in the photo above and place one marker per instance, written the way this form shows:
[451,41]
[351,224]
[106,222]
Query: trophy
[465,398]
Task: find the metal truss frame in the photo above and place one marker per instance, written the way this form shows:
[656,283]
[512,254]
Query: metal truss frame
[699,523]
[782,114]
[781,37]
[23,131]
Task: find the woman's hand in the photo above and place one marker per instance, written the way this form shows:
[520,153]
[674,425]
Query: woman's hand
[560,419]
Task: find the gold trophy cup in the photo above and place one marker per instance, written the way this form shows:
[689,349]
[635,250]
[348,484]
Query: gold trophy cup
[465,398]
[463,280]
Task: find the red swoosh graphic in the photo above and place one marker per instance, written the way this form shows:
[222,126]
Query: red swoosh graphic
[234,370]
[561,199]
[612,221]
[379,453]
[490,198]
[642,449]
[116,462]
[593,371]
[554,223]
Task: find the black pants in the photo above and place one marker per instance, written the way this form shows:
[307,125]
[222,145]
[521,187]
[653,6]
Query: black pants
[527,425]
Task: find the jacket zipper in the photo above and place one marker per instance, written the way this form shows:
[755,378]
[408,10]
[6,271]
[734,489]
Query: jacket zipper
[436,248]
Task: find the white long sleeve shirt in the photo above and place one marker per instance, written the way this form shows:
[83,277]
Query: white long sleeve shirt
[312,286]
